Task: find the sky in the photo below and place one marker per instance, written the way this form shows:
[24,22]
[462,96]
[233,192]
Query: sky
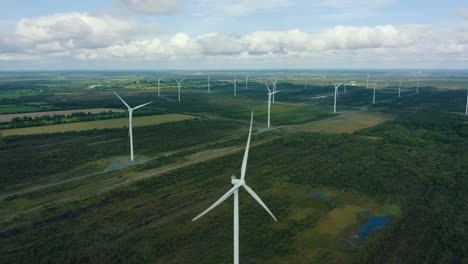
[233,34]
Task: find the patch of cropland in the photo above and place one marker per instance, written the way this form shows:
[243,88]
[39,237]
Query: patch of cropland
[408,171]
[101,124]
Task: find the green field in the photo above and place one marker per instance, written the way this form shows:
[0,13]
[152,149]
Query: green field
[64,198]
[103,124]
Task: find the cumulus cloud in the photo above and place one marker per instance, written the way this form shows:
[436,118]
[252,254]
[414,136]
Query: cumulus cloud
[236,8]
[87,38]
[462,12]
[72,30]
[152,7]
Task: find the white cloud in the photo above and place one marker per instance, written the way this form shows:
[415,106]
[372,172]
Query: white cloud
[462,12]
[237,7]
[73,30]
[153,7]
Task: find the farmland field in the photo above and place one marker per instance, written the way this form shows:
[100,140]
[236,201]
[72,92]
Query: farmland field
[103,124]
[9,117]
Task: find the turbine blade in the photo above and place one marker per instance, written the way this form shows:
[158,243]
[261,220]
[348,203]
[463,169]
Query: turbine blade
[220,200]
[338,85]
[246,153]
[122,100]
[140,106]
[255,196]
[267,87]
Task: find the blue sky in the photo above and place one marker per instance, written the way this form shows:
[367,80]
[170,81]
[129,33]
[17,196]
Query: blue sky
[147,34]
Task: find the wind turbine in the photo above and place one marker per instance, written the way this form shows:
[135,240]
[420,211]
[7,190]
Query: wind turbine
[336,94]
[270,94]
[417,85]
[274,89]
[178,88]
[159,83]
[247,82]
[399,90]
[305,84]
[373,97]
[235,86]
[130,122]
[466,110]
[209,77]
[238,183]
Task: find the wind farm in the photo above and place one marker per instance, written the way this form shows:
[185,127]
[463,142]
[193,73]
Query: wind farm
[153,131]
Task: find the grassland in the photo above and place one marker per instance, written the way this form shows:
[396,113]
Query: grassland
[103,124]
[346,123]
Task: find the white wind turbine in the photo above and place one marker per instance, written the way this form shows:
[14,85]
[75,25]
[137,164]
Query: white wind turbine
[466,109]
[130,122]
[336,94]
[235,86]
[247,82]
[209,77]
[179,88]
[159,83]
[238,183]
[270,94]
[399,90]
[417,85]
[373,96]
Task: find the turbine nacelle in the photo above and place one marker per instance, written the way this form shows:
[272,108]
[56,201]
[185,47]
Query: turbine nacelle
[236,181]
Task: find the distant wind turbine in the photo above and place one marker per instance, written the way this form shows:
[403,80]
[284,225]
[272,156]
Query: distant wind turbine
[417,86]
[235,86]
[305,84]
[345,86]
[399,90]
[209,77]
[159,83]
[466,110]
[130,122]
[247,82]
[270,94]
[238,183]
[336,94]
[373,97]
[179,88]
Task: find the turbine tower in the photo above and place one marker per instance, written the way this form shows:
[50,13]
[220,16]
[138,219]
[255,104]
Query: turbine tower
[178,88]
[373,97]
[305,84]
[209,77]
[159,83]
[270,94]
[238,183]
[130,122]
[336,94]
[466,109]
[399,90]
[417,85]
[247,82]
[235,86]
